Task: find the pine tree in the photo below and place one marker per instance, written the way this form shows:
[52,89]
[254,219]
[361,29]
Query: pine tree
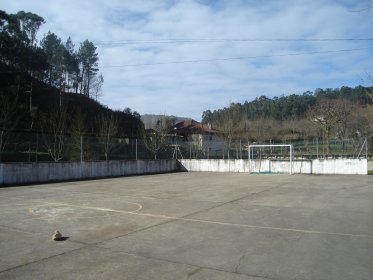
[88,60]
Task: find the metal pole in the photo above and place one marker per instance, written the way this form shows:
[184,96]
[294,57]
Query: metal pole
[249,155]
[270,143]
[37,147]
[81,148]
[31,98]
[291,160]
[362,147]
[366,148]
[240,149]
[248,150]
[136,148]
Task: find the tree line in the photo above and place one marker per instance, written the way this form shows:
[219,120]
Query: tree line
[57,63]
[50,89]
[285,107]
[325,113]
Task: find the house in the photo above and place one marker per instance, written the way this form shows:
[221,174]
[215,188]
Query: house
[202,137]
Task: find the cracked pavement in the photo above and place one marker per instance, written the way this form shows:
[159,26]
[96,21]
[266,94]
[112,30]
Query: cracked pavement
[190,226]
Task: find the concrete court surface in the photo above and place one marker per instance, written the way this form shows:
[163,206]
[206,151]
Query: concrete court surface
[190,226]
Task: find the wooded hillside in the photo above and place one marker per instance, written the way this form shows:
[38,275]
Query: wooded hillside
[51,81]
[326,113]
[50,90]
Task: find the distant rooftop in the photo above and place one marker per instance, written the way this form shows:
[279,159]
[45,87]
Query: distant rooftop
[192,126]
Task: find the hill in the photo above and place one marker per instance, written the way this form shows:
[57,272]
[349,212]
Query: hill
[26,103]
[48,84]
[325,113]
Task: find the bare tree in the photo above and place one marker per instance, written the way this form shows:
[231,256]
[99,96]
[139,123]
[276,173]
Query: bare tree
[54,127]
[108,128]
[78,128]
[261,129]
[326,116]
[231,124]
[156,139]
[344,109]
[363,123]
[96,86]
[333,117]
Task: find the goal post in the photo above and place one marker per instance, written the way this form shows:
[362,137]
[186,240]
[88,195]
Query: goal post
[251,153]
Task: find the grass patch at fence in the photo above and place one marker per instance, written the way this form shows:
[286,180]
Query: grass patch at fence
[267,172]
[370,172]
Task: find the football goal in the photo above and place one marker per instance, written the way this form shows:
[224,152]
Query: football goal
[274,158]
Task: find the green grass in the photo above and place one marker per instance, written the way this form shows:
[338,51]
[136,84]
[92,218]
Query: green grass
[267,172]
[370,172]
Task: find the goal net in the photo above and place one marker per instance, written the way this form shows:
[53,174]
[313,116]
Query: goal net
[271,158]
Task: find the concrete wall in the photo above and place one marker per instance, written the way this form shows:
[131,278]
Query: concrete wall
[317,166]
[370,165]
[24,173]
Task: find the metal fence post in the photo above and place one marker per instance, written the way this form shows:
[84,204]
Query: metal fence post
[37,147]
[81,148]
[136,148]
[240,149]
[291,159]
[366,148]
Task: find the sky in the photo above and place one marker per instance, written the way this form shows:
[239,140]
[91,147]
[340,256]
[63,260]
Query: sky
[184,57]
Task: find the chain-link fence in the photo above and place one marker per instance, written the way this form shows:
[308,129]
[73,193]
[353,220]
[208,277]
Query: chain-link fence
[33,147]
[307,149]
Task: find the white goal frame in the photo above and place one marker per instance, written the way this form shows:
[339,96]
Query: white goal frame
[250,151]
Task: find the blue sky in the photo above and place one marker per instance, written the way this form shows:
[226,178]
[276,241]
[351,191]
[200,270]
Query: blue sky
[145,48]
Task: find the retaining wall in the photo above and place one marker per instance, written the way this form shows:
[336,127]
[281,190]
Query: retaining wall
[25,173]
[317,166]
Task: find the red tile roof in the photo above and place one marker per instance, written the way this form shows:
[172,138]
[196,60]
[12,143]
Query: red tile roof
[193,126]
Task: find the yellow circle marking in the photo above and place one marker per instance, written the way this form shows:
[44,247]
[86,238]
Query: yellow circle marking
[116,212]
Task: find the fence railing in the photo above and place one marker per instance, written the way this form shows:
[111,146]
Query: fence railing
[307,149]
[33,147]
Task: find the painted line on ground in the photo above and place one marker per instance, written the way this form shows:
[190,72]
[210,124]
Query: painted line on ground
[139,207]
[136,212]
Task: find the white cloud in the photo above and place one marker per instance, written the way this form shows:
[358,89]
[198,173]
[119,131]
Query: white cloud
[187,89]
